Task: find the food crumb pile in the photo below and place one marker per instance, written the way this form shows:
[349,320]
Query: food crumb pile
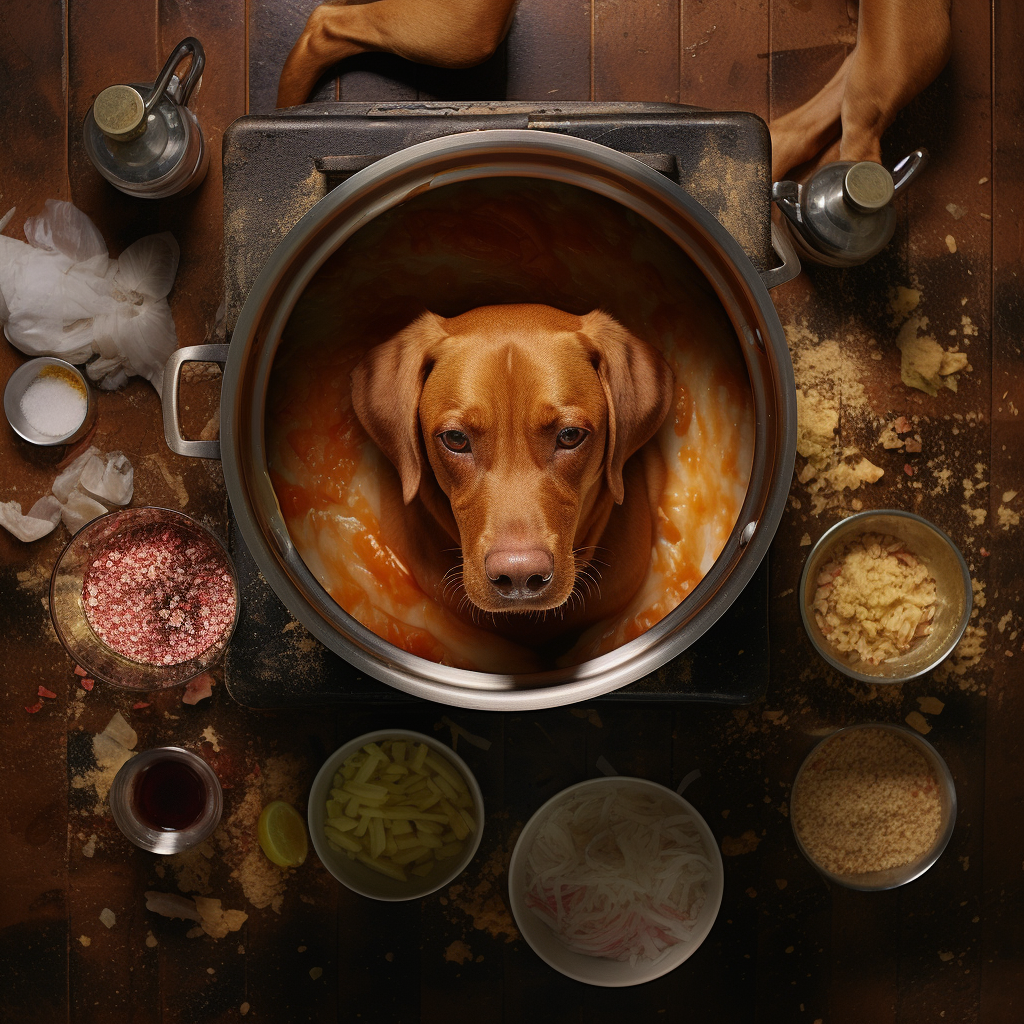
[159,595]
[868,801]
[874,599]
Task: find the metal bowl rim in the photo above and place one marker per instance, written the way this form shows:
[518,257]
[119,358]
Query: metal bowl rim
[311,604]
[862,517]
[945,779]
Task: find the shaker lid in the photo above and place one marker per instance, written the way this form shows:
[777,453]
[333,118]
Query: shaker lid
[868,186]
[120,113]
[147,155]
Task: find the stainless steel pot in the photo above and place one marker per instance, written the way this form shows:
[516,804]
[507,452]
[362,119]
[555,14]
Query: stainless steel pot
[382,186]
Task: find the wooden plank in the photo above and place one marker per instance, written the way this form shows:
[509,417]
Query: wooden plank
[808,44]
[273,27]
[461,962]
[1002,198]
[545,751]
[197,220]
[34,957]
[635,51]
[549,56]
[955,287]
[723,62]
[105,51]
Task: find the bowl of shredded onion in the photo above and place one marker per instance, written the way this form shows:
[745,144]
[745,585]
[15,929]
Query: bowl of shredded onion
[615,881]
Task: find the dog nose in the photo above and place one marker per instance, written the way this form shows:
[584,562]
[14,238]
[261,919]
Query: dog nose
[519,574]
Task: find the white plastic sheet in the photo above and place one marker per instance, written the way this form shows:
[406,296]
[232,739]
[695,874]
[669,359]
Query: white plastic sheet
[62,295]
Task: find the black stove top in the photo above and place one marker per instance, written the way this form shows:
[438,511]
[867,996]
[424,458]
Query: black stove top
[277,166]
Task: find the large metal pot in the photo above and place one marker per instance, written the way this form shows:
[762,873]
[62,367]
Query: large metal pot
[382,186]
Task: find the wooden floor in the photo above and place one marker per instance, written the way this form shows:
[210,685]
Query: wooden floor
[786,947]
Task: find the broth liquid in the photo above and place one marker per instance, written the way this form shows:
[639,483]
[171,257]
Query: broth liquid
[169,796]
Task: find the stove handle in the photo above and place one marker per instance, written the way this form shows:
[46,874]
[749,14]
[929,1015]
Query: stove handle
[784,249]
[169,398]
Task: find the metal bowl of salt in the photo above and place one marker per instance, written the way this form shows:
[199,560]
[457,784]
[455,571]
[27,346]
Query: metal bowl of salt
[48,401]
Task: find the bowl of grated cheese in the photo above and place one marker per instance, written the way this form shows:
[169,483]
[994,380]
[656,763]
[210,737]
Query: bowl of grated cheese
[885,596]
[615,881]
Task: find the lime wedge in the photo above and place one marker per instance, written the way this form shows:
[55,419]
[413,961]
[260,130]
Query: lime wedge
[282,834]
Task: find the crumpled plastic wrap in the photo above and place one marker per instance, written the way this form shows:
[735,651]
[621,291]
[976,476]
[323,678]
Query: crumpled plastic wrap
[76,496]
[40,519]
[62,295]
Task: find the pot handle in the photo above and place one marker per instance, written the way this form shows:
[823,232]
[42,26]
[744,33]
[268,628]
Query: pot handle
[169,398]
[784,249]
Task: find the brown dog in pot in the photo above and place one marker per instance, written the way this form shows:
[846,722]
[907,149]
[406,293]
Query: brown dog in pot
[524,486]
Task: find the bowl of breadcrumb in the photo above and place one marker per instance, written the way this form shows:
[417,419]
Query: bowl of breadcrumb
[873,806]
[885,596]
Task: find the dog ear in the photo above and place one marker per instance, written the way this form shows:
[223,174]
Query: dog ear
[386,387]
[638,386]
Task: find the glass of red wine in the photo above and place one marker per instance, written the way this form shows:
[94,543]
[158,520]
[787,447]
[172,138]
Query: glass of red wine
[166,800]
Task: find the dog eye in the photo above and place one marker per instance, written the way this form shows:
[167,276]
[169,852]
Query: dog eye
[454,440]
[571,437]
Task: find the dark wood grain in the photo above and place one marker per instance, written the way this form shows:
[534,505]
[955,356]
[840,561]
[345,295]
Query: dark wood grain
[36,903]
[549,52]
[724,55]
[635,51]
[1002,198]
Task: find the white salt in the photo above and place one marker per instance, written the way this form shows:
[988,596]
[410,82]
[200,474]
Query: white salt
[53,407]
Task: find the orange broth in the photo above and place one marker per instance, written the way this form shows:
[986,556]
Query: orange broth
[481,243]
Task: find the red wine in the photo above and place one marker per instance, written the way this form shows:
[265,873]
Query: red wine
[169,795]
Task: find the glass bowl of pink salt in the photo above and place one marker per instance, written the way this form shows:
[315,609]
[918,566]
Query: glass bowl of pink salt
[144,598]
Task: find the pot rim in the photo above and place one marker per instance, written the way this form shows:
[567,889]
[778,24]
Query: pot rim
[391,181]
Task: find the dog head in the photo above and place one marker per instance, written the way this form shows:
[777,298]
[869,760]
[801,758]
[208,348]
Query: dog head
[526,416]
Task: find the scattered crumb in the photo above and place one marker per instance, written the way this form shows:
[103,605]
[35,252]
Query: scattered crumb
[315,972]
[924,364]
[458,952]
[805,540]
[484,902]
[243,1009]
[945,956]
[590,714]
[781,883]
[930,705]
[1006,517]
[734,846]
[107,917]
[90,847]
[198,689]
[917,721]
[950,243]
[85,940]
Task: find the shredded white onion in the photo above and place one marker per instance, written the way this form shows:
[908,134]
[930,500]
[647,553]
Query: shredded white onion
[618,874]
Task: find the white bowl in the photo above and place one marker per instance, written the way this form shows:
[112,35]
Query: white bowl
[356,875]
[595,970]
